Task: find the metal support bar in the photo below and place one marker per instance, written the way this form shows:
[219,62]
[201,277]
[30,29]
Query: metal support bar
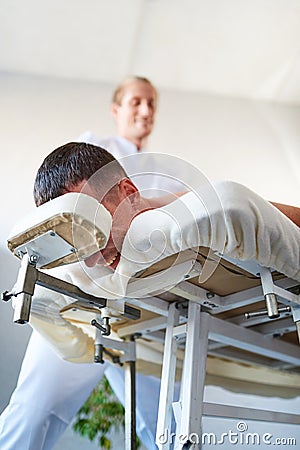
[217,304]
[144,327]
[22,308]
[238,412]
[249,340]
[272,306]
[296,317]
[129,357]
[272,311]
[153,304]
[269,287]
[268,290]
[69,289]
[29,276]
[127,348]
[194,371]
[272,291]
[130,406]
[25,285]
[103,325]
[167,379]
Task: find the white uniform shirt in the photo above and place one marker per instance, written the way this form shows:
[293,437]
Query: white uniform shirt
[154,174]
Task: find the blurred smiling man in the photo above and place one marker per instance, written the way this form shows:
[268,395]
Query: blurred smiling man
[133,108]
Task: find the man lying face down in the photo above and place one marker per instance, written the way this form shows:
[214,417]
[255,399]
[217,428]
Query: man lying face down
[86,168]
[91,170]
[81,167]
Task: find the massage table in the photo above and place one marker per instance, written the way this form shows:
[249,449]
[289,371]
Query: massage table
[207,290]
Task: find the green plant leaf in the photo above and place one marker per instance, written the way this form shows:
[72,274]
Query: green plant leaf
[100,415]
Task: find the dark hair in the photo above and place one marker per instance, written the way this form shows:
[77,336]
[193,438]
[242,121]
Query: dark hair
[71,164]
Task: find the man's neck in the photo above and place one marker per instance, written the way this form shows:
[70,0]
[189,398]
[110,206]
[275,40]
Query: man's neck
[139,143]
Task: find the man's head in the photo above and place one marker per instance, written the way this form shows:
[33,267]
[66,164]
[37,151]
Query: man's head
[133,107]
[72,164]
[81,167]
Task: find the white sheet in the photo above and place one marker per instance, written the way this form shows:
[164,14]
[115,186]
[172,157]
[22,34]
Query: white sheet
[226,217]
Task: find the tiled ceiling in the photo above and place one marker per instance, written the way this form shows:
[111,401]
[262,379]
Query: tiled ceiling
[240,48]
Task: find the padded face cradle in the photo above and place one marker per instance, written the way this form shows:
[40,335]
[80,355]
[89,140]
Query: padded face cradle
[62,231]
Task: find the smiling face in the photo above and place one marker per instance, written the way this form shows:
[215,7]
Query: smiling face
[135,114]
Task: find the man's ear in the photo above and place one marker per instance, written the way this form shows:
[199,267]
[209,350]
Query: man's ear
[128,189]
[114,110]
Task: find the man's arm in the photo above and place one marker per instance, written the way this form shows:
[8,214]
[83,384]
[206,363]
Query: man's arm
[292,212]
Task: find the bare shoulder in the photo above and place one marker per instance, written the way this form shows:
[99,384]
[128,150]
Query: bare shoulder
[292,212]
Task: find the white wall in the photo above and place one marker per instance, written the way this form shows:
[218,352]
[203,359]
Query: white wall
[253,143]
